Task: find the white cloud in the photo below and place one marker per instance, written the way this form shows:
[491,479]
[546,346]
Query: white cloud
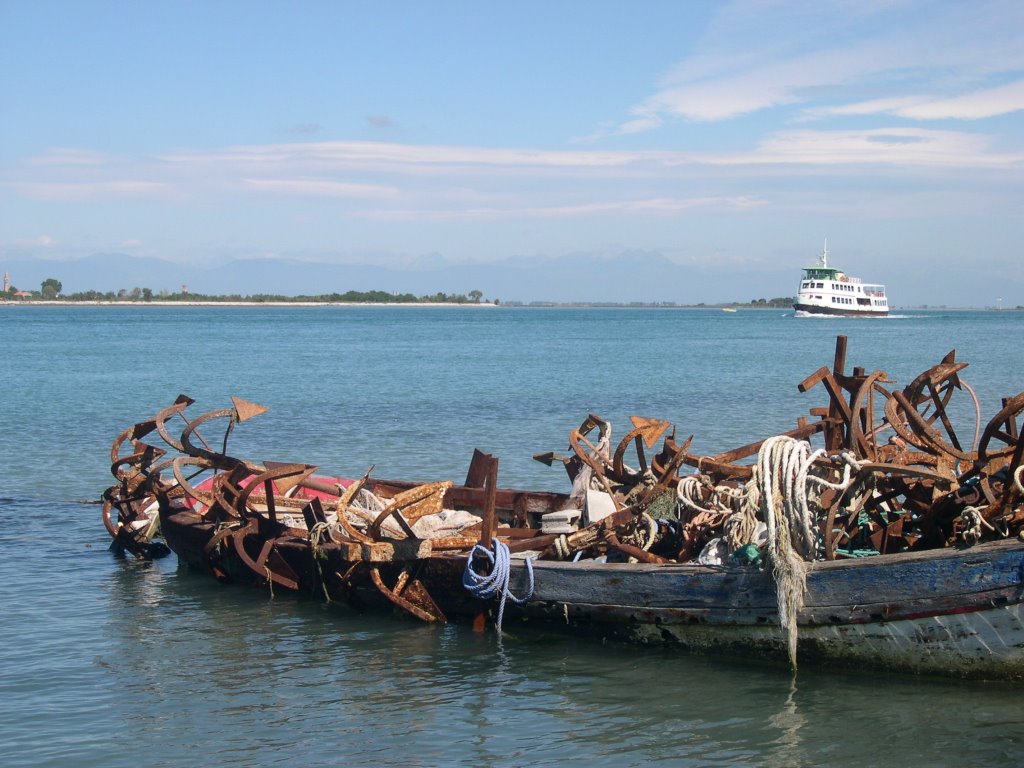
[977,105]
[991,102]
[891,146]
[398,181]
[319,188]
[759,55]
[385,156]
[891,105]
[653,205]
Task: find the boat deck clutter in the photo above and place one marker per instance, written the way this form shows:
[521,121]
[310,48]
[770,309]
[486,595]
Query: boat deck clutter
[870,533]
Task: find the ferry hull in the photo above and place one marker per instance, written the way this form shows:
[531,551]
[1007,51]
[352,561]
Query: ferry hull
[812,309]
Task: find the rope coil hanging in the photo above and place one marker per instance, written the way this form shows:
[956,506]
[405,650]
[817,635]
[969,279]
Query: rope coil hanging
[780,490]
[487,586]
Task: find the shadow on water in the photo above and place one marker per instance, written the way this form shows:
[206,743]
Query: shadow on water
[258,678]
[114,658]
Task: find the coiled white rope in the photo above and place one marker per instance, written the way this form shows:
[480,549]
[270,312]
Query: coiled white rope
[317,535]
[739,528]
[486,586]
[562,547]
[779,489]
[973,522]
[690,490]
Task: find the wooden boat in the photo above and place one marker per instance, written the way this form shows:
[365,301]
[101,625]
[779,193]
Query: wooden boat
[914,562]
[946,611]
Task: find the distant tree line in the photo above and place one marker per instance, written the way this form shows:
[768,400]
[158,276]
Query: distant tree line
[51,289]
[785,301]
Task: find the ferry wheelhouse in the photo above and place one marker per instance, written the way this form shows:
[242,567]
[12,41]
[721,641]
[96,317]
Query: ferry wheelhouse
[826,290]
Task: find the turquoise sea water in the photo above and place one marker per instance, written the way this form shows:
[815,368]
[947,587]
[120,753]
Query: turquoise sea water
[107,662]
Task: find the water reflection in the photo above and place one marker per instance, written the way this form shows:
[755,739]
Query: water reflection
[254,679]
[126,658]
[788,720]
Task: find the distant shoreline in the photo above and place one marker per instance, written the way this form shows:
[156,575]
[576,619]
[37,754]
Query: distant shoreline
[361,304]
[158,303]
[491,305]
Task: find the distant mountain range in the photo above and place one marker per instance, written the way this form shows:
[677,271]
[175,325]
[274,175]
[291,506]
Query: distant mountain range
[625,277]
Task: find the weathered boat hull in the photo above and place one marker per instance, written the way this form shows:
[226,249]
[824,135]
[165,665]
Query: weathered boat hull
[941,612]
[944,612]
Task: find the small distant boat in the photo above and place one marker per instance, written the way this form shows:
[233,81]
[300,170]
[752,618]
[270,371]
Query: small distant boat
[728,309]
[826,290]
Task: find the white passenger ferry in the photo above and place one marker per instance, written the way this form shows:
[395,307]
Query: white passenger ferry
[825,290]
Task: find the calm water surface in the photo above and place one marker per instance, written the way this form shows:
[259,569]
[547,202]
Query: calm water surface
[107,662]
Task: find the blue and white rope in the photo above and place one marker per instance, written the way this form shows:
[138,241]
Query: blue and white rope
[495,583]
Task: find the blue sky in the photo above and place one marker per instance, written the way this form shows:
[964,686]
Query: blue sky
[730,138]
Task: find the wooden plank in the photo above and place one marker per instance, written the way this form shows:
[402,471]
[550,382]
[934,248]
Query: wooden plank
[839,585]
